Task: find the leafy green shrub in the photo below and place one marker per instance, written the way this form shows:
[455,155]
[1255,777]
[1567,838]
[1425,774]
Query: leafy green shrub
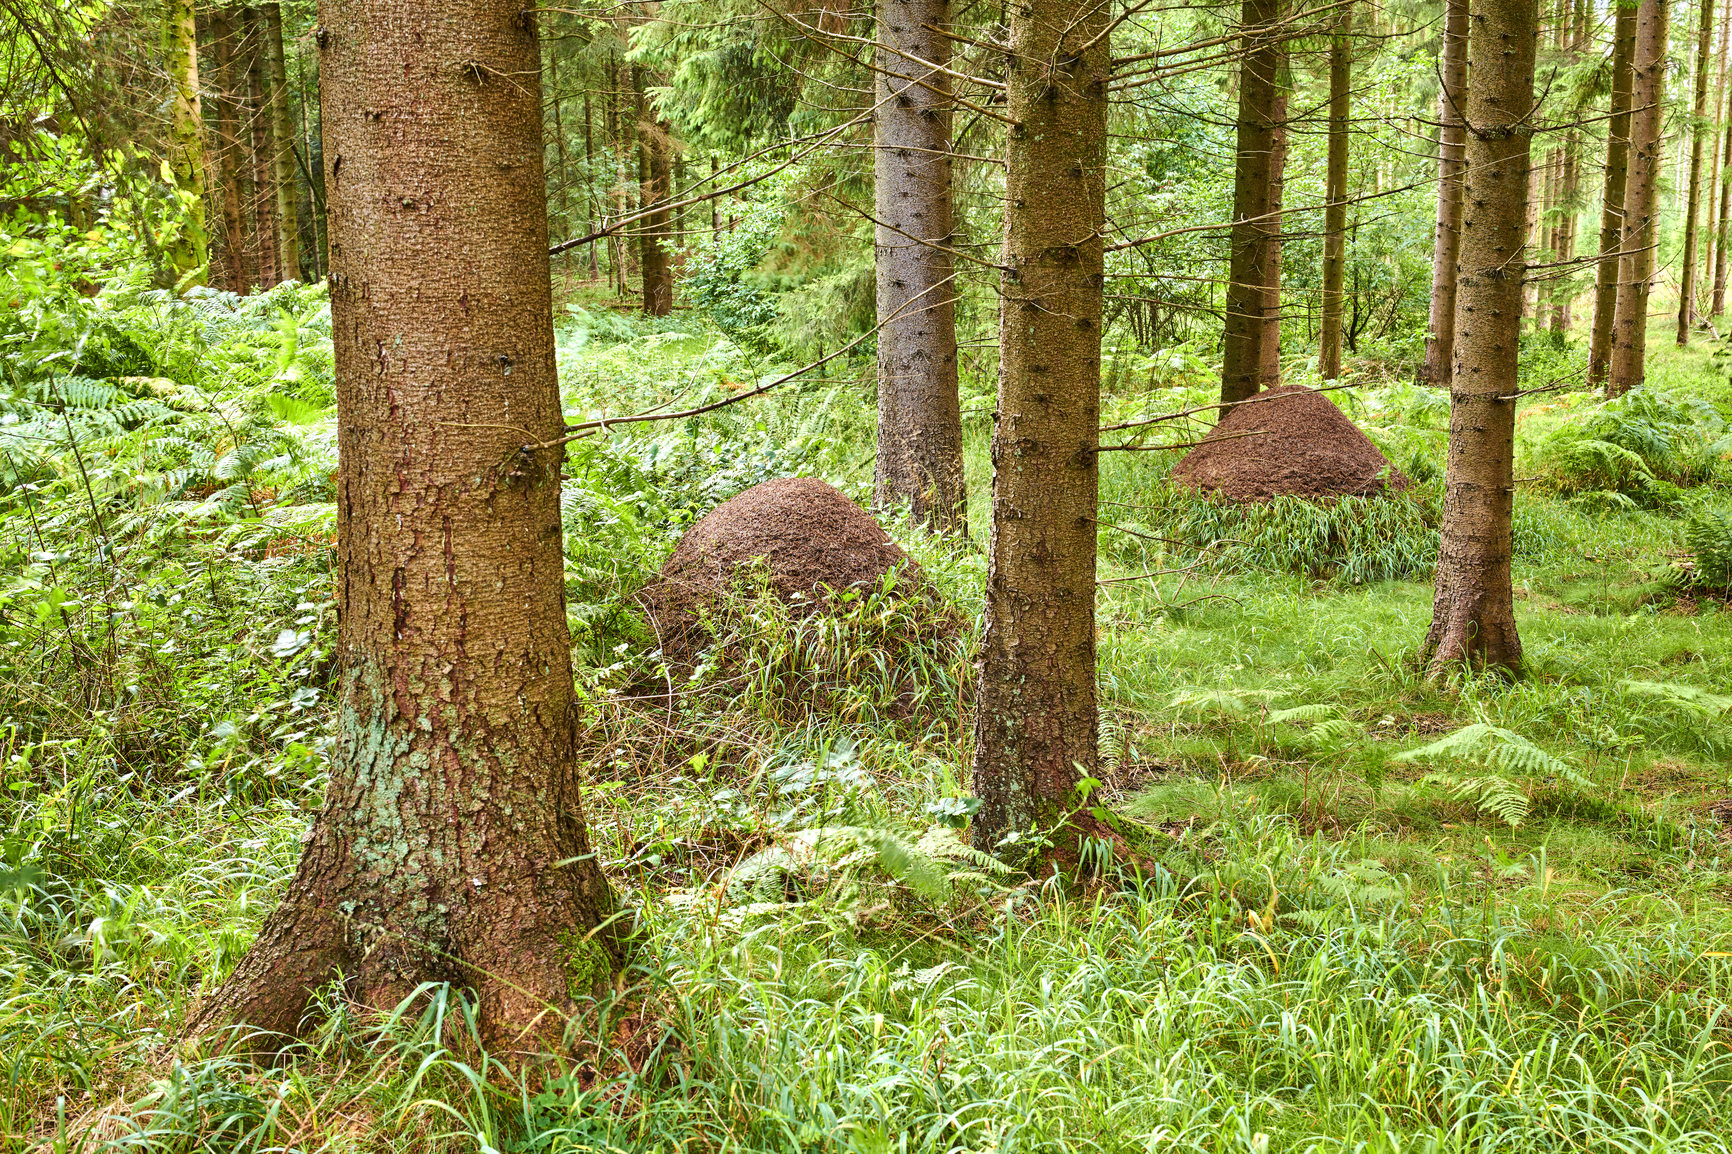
[1637,450]
[1708,567]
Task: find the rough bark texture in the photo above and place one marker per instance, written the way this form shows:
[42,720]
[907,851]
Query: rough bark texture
[237,276]
[1612,199]
[1035,728]
[1473,618]
[451,845]
[919,457]
[1641,198]
[283,148]
[1451,159]
[1269,376]
[655,146]
[1242,363]
[189,252]
[1335,214]
[1699,130]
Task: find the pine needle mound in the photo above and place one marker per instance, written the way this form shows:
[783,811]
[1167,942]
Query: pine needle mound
[1294,443]
[809,540]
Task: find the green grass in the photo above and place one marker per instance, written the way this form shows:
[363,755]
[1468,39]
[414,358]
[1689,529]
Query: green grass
[1335,949]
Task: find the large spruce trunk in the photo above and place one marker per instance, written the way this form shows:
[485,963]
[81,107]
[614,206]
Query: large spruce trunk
[1451,160]
[919,456]
[1035,727]
[451,846]
[1612,197]
[188,251]
[1641,233]
[1254,229]
[1473,618]
[655,183]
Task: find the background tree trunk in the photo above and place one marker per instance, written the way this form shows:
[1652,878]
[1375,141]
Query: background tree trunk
[1612,200]
[283,134]
[451,846]
[1335,214]
[237,276]
[919,456]
[1253,188]
[1035,717]
[1451,158]
[266,247]
[1269,376]
[1641,217]
[655,145]
[1569,195]
[189,252]
[1723,228]
[1699,128]
[1473,617]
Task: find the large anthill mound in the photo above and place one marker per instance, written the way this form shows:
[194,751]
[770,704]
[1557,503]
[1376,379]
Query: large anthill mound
[1288,441]
[810,540]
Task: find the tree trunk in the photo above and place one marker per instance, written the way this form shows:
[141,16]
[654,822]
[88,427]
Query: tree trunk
[1612,200]
[236,275]
[1569,196]
[919,456]
[655,187]
[1711,175]
[1451,159]
[266,246]
[189,252]
[1335,212]
[1035,718]
[1699,128]
[451,846]
[1473,617]
[1269,376]
[1724,226]
[1641,219]
[1253,189]
[283,166]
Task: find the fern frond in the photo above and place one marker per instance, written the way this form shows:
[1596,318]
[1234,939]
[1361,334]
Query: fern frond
[1491,794]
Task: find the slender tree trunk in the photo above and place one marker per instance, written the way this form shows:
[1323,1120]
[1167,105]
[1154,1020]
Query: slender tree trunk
[266,246]
[451,846]
[1035,719]
[283,165]
[1641,218]
[1451,160]
[1335,213]
[1569,198]
[655,156]
[919,456]
[1612,200]
[1253,190]
[315,198]
[1724,225]
[235,273]
[1269,376]
[1699,129]
[1473,617]
[189,252]
[1711,177]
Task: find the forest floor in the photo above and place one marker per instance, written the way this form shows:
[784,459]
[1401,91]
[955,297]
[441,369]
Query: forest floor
[1385,915]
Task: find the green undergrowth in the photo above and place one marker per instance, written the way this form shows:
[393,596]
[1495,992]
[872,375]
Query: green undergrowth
[1378,912]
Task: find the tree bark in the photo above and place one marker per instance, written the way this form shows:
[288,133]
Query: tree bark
[237,276]
[1724,227]
[1242,362]
[1569,200]
[1699,128]
[1451,160]
[1612,199]
[655,185]
[1641,219]
[1473,617]
[266,247]
[1335,196]
[451,846]
[919,455]
[1269,375]
[283,166]
[1711,176]
[1035,719]
[189,252]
